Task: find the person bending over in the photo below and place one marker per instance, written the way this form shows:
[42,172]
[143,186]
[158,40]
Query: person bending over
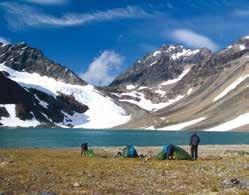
[84,148]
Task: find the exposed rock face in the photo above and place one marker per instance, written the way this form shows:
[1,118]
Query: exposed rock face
[166,63]
[21,57]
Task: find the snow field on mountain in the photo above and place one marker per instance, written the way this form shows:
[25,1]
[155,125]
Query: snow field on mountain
[13,121]
[147,104]
[231,87]
[239,121]
[168,82]
[180,126]
[102,113]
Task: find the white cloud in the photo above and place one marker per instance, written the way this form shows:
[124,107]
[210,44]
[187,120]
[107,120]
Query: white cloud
[103,69]
[193,39]
[241,12]
[22,15]
[4,41]
[47,2]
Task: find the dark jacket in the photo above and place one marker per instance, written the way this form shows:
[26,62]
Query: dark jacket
[194,140]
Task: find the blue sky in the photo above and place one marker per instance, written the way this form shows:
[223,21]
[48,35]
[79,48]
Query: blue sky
[98,39]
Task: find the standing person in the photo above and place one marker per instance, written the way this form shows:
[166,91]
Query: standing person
[84,148]
[194,142]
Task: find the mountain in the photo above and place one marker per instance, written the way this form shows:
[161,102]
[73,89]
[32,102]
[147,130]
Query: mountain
[185,89]
[37,92]
[164,64]
[172,88]
[21,57]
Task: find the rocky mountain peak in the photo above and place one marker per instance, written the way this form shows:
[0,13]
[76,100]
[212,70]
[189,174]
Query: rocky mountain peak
[168,62]
[22,57]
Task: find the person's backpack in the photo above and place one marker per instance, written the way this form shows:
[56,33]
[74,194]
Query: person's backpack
[165,149]
[195,140]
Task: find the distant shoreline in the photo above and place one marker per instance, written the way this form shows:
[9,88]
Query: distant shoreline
[204,150]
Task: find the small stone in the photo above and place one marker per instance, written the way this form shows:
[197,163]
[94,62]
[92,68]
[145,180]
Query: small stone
[227,183]
[90,175]
[2,164]
[47,193]
[76,184]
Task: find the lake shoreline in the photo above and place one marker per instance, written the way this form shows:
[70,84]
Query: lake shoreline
[204,150]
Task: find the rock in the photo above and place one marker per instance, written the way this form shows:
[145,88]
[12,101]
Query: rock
[2,164]
[229,183]
[76,184]
[244,184]
[90,175]
[47,193]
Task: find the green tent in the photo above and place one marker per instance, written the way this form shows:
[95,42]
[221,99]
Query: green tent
[90,153]
[179,154]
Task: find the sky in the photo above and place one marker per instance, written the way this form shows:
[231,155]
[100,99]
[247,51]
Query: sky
[99,39]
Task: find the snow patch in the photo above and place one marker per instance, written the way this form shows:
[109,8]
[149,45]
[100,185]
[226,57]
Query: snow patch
[13,121]
[148,105]
[153,63]
[132,94]
[42,103]
[150,128]
[189,91]
[242,47]
[142,87]
[129,87]
[182,125]
[184,52]
[168,82]
[156,53]
[160,92]
[230,87]
[232,124]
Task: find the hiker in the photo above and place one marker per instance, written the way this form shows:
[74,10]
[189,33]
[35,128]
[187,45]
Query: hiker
[170,152]
[194,142]
[84,148]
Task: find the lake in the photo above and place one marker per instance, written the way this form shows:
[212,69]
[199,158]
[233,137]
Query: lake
[61,138]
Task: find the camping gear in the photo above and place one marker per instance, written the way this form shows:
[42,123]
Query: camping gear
[90,153]
[181,154]
[129,152]
[178,154]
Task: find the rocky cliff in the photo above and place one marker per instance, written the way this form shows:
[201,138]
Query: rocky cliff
[21,57]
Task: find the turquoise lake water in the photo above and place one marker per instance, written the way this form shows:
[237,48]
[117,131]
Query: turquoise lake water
[61,138]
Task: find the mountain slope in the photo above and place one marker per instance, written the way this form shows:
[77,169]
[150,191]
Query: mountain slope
[208,94]
[53,98]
